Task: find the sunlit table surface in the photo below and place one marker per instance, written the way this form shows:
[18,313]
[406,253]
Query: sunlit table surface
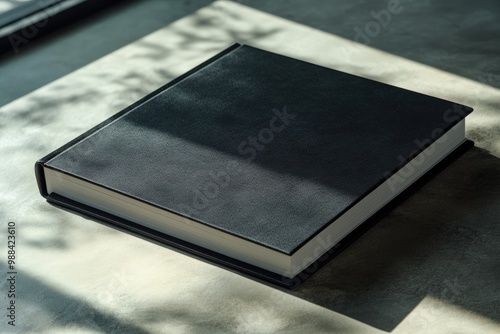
[430,266]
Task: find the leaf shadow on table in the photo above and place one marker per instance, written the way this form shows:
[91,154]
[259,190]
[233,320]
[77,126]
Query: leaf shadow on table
[51,309]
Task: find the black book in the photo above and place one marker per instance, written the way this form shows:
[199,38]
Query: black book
[261,163]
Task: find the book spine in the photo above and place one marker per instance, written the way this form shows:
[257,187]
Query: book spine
[39,165]
[40,178]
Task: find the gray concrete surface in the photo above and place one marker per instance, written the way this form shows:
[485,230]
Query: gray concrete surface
[431,266]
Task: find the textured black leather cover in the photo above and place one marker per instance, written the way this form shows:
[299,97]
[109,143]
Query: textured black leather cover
[264,147]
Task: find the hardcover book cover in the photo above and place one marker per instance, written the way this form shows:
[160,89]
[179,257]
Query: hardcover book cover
[254,152]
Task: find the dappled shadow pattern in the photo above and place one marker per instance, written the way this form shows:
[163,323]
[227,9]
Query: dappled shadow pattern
[44,60]
[51,309]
